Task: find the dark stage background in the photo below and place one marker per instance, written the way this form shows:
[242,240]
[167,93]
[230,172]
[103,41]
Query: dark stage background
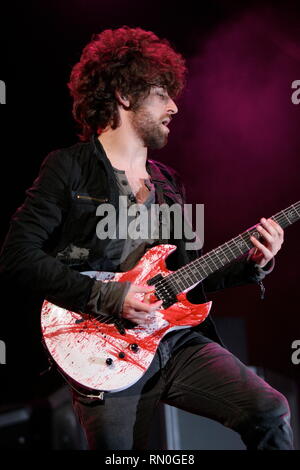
[235,141]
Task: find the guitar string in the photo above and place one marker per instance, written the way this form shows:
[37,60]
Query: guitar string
[211,258]
[214,252]
[172,278]
[176,280]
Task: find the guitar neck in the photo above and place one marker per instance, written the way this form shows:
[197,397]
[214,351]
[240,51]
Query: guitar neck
[194,272]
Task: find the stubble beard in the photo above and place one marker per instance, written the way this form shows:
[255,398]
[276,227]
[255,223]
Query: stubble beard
[149,130]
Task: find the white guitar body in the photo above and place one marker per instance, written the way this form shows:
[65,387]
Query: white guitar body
[94,354]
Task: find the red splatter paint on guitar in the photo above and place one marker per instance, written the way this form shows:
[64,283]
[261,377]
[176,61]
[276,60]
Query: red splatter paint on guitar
[94,354]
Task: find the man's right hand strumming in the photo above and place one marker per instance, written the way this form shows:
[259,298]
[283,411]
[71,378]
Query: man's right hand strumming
[138,311]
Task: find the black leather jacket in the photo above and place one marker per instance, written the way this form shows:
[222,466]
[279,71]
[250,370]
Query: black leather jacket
[52,236]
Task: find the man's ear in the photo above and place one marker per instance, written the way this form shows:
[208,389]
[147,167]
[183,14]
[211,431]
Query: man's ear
[122,100]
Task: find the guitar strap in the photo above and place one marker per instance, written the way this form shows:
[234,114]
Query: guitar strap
[163,187]
[158,181]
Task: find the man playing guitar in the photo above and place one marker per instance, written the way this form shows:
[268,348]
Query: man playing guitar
[124,89]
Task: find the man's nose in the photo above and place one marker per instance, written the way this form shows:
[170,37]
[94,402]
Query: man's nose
[172,108]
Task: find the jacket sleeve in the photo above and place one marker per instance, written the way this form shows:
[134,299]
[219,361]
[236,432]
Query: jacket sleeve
[24,259]
[242,271]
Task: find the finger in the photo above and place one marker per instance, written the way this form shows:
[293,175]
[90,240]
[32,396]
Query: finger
[273,228]
[156,305]
[128,313]
[142,289]
[277,237]
[267,253]
[277,227]
[141,306]
[132,314]
[140,317]
[252,251]
[144,307]
[268,227]
[266,235]
[150,299]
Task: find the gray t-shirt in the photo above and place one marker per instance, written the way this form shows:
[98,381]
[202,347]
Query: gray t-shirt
[124,253]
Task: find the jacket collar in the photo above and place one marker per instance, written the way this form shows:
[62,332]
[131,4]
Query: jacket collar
[161,183]
[112,184]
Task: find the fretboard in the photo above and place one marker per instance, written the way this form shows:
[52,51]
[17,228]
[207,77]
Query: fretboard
[197,270]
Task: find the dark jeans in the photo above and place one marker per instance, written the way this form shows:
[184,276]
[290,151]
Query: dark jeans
[205,379]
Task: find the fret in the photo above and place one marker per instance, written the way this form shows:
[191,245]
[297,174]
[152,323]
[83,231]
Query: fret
[296,209]
[176,284]
[183,282]
[199,269]
[203,258]
[243,245]
[298,213]
[235,249]
[277,220]
[227,243]
[286,218]
[239,246]
[292,213]
[224,258]
[188,274]
[195,271]
[210,254]
[215,253]
[255,234]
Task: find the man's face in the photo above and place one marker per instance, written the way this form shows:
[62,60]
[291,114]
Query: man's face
[151,118]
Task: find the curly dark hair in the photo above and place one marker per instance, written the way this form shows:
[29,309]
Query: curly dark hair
[127,60]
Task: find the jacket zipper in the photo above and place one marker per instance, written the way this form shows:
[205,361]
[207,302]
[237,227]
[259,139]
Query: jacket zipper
[262,290]
[89,198]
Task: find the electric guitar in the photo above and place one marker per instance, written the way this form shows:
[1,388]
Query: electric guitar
[106,354]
